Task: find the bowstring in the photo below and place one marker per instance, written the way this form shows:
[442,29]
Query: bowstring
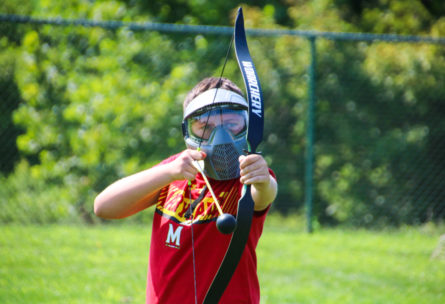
[193,243]
[217,88]
[199,148]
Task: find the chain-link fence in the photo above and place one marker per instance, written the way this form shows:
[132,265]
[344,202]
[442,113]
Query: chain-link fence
[354,123]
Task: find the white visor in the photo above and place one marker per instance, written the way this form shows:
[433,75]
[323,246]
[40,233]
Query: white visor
[213,97]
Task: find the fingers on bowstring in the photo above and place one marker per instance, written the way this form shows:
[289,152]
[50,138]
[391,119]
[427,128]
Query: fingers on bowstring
[189,171]
[196,155]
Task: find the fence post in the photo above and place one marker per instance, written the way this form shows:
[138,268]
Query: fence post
[309,157]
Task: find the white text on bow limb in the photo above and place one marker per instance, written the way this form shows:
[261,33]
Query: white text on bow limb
[254,89]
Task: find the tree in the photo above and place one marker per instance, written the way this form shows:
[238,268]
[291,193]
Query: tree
[97,104]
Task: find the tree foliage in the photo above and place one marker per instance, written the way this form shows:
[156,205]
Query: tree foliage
[92,105]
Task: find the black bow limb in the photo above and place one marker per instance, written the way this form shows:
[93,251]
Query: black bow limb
[254,137]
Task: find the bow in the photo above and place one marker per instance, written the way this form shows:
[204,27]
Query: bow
[254,137]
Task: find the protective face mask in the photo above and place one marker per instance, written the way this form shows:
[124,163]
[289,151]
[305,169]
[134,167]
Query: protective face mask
[222,137]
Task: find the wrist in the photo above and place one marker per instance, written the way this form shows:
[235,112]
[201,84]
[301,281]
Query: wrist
[171,172]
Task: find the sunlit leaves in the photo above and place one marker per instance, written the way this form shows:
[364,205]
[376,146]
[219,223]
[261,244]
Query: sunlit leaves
[99,104]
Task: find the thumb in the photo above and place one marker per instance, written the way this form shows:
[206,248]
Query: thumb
[198,155]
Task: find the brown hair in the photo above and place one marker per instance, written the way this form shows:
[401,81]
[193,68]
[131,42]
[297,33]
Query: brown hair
[210,83]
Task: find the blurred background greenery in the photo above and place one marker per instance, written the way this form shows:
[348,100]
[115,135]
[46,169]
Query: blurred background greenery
[84,105]
[91,92]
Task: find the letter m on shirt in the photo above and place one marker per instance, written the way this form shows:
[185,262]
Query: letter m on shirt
[173,236]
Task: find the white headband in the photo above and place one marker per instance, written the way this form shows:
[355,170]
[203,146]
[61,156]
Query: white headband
[208,98]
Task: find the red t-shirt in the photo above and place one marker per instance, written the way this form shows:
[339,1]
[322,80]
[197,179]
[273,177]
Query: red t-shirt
[171,276]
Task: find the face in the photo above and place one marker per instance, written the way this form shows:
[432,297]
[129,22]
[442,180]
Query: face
[233,121]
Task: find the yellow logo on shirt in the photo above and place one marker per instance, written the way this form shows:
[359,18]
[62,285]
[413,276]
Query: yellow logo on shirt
[172,202]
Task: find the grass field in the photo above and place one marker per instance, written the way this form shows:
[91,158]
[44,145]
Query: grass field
[107,264]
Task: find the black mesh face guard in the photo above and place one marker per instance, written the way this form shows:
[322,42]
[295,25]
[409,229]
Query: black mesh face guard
[225,161]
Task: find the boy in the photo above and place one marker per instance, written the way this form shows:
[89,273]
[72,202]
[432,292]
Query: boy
[186,248]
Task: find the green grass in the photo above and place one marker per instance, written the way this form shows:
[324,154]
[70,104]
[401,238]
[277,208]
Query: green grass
[341,266]
[107,264]
[71,264]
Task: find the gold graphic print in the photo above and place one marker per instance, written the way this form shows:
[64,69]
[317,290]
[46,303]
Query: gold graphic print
[177,203]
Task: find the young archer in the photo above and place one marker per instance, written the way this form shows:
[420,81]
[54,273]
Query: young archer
[186,248]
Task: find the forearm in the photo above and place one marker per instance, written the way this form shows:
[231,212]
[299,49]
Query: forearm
[133,193]
[263,194]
